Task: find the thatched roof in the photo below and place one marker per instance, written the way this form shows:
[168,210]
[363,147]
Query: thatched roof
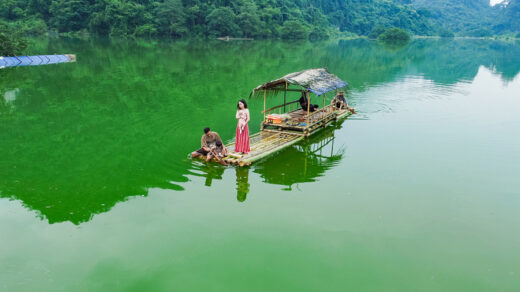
[317,81]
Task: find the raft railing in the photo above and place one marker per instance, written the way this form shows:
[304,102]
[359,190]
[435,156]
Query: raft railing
[309,122]
[320,114]
[292,106]
[319,118]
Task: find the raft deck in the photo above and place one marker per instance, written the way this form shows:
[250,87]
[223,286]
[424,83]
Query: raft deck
[262,144]
[268,142]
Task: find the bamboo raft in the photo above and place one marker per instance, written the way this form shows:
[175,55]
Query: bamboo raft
[262,144]
[287,124]
[268,142]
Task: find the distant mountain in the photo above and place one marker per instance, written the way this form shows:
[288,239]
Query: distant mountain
[463,17]
[509,18]
[471,17]
[362,16]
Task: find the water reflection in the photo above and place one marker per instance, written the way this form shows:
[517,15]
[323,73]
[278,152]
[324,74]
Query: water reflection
[304,162]
[300,163]
[76,140]
[209,171]
[242,176]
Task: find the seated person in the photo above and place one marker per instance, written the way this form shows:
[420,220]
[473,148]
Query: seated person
[220,151]
[207,143]
[341,103]
[304,102]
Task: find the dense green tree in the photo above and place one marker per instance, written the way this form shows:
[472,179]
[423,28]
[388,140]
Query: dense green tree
[222,22]
[10,43]
[376,31]
[171,18]
[394,35]
[319,33]
[446,33]
[294,29]
[70,15]
[249,21]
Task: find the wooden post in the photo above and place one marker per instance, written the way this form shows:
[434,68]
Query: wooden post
[305,165]
[308,108]
[285,97]
[265,95]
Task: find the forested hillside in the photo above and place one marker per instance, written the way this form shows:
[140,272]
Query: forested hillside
[509,18]
[257,18]
[471,17]
[176,18]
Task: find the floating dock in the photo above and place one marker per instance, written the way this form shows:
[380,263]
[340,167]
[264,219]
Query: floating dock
[268,142]
[37,60]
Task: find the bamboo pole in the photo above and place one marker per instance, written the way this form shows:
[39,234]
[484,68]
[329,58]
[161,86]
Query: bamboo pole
[265,96]
[305,165]
[285,97]
[273,150]
[308,108]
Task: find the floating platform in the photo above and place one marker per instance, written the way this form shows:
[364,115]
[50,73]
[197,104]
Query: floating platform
[270,141]
[37,60]
[288,123]
[262,144]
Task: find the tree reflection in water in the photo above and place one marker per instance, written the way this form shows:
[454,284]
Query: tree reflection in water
[78,138]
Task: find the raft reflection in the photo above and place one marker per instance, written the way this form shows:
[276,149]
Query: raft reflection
[242,183]
[304,162]
[301,163]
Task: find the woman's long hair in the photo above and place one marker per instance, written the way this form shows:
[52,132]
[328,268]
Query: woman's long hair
[243,102]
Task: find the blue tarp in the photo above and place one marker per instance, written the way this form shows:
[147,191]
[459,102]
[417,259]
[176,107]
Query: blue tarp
[35,60]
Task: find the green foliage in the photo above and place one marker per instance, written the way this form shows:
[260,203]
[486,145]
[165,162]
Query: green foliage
[446,33]
[315,19]
[394,35]
[319,33]
[69,15]
[509,19]
[471,17]
[376,31]
[10,43]
[170,19]
[222,22]
[479,32]
[294,29]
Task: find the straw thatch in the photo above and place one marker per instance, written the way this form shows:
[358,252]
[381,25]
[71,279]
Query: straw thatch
[317,81]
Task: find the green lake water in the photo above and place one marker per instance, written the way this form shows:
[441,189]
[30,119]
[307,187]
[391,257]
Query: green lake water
[420,191]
